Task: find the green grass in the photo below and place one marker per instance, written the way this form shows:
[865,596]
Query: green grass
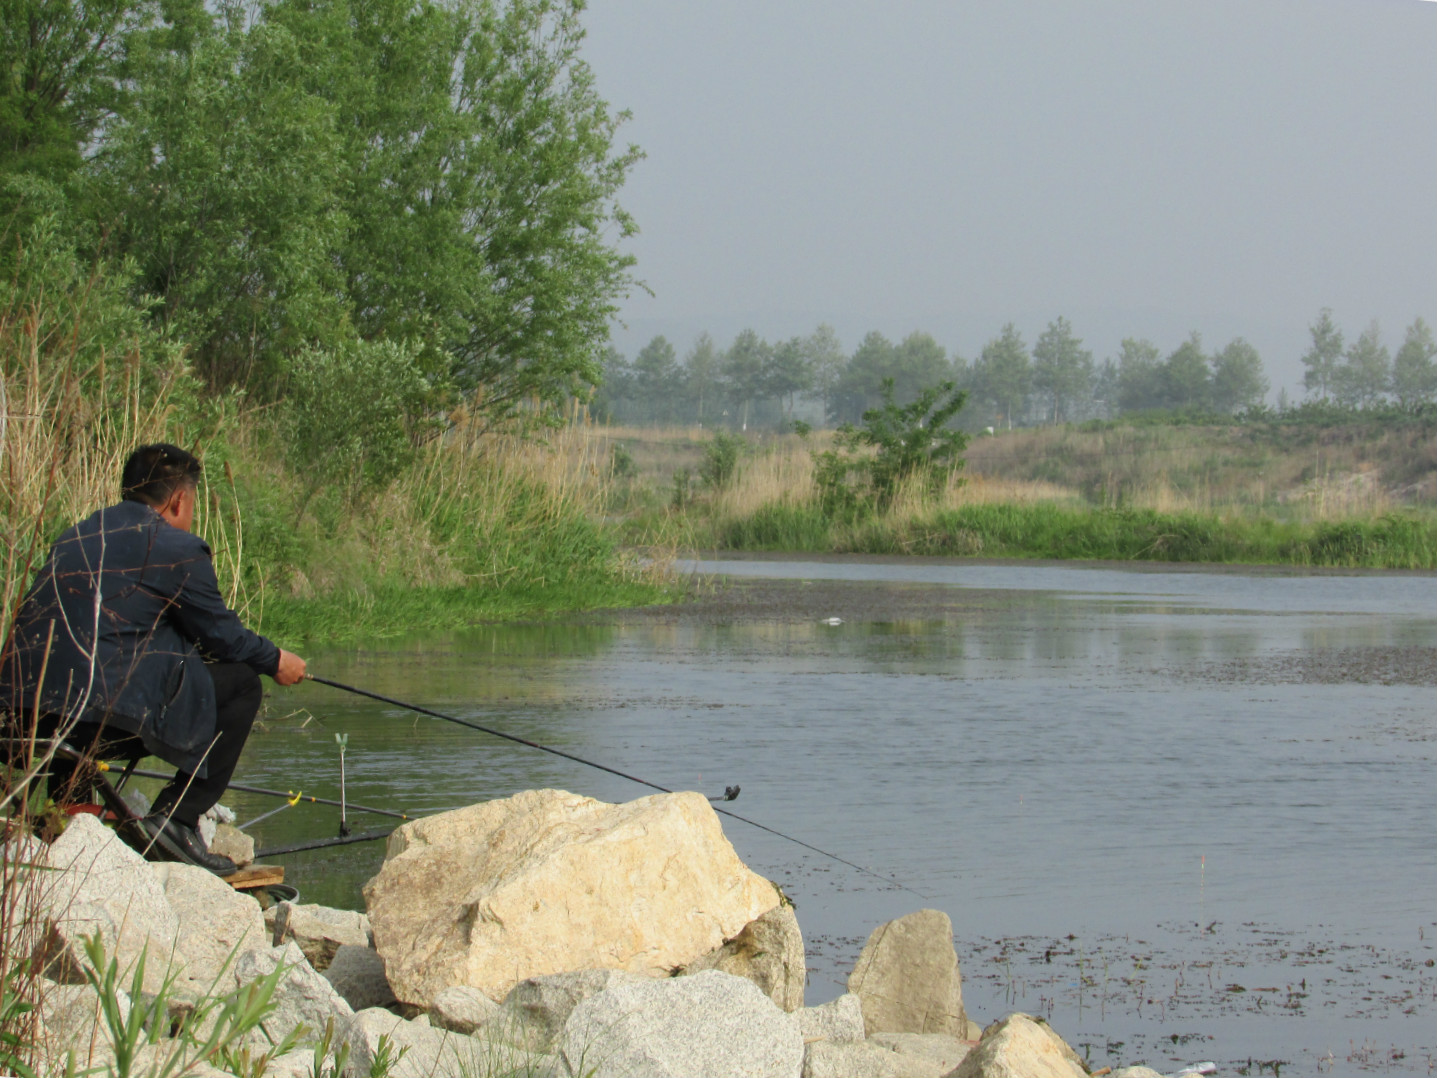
[396,608]
[1393,541]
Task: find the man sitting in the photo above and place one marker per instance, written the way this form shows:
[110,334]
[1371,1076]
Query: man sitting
[124,643]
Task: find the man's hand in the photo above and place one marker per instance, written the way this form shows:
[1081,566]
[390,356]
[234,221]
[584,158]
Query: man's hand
[291,668]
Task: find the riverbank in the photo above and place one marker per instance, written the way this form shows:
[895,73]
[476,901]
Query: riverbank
[1357,493]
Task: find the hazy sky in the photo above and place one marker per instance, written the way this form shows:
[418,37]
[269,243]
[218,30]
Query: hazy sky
[1143,167]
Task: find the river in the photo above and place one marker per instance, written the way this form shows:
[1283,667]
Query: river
[1183,814]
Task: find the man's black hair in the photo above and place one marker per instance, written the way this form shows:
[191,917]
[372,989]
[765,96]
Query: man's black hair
[154,472]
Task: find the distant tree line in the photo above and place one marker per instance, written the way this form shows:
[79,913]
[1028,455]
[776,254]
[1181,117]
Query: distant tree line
[812,378]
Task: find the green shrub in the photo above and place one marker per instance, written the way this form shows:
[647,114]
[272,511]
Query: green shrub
[909,441]
[720,463]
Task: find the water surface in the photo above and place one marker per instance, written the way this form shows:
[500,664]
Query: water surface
[1184,814]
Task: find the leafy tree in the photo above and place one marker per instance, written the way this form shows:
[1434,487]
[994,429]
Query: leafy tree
[745,372]
[907,441]
[440,172]
[615,386]
[227,175]
[657,381]
[860,384]
[1237,378]
[919,362]
[1367,373]
[354,414]
[1003,374]
[914,364]
[1062,369]
[826,359]
[1105,388]
[701,375]
[1414,369]
[789,373]
[1140,376]
[1323,358]
[1185,377]
[61,71]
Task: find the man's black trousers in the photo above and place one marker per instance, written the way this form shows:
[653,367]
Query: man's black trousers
[187,797]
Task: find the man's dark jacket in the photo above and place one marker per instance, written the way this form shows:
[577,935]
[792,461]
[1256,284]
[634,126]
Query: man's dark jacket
[159,616]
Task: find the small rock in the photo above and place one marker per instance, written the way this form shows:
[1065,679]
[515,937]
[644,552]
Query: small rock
[1021,1046]
[357,974]
[768,952]
[907,977]
[710,1023]
[462,1009]
[429,1052]
[1136,1072]
[319,930]
[534,1012]
[852,1059]
[939,1050]
[231,842]
[839,1020]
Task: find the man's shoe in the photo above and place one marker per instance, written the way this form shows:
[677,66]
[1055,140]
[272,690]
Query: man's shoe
[180,843]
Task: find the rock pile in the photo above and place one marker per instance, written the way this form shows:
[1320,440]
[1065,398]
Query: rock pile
[544,935]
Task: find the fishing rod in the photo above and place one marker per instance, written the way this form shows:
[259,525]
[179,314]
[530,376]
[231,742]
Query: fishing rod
[729,794]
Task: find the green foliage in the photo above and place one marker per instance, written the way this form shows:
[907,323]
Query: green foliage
[911,441]
[911,366]
[354,414]
[1080,532]
[209,1031]
[721,457]
[61,70]
[1321,360]
[1414,369]
[1366,373]
[1062,368]
[621,462]
[1003,375]
[16,1018]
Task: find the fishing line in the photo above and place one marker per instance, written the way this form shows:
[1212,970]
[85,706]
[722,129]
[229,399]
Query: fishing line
[729,794]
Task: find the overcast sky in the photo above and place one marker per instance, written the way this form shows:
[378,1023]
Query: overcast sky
[1143,167]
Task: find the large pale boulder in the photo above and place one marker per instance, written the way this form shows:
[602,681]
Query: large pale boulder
[768,952]
[710,1023]
[319,930]
[548,881]
[839,1020]
[1021,1046]
[907,977]
[98,884]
